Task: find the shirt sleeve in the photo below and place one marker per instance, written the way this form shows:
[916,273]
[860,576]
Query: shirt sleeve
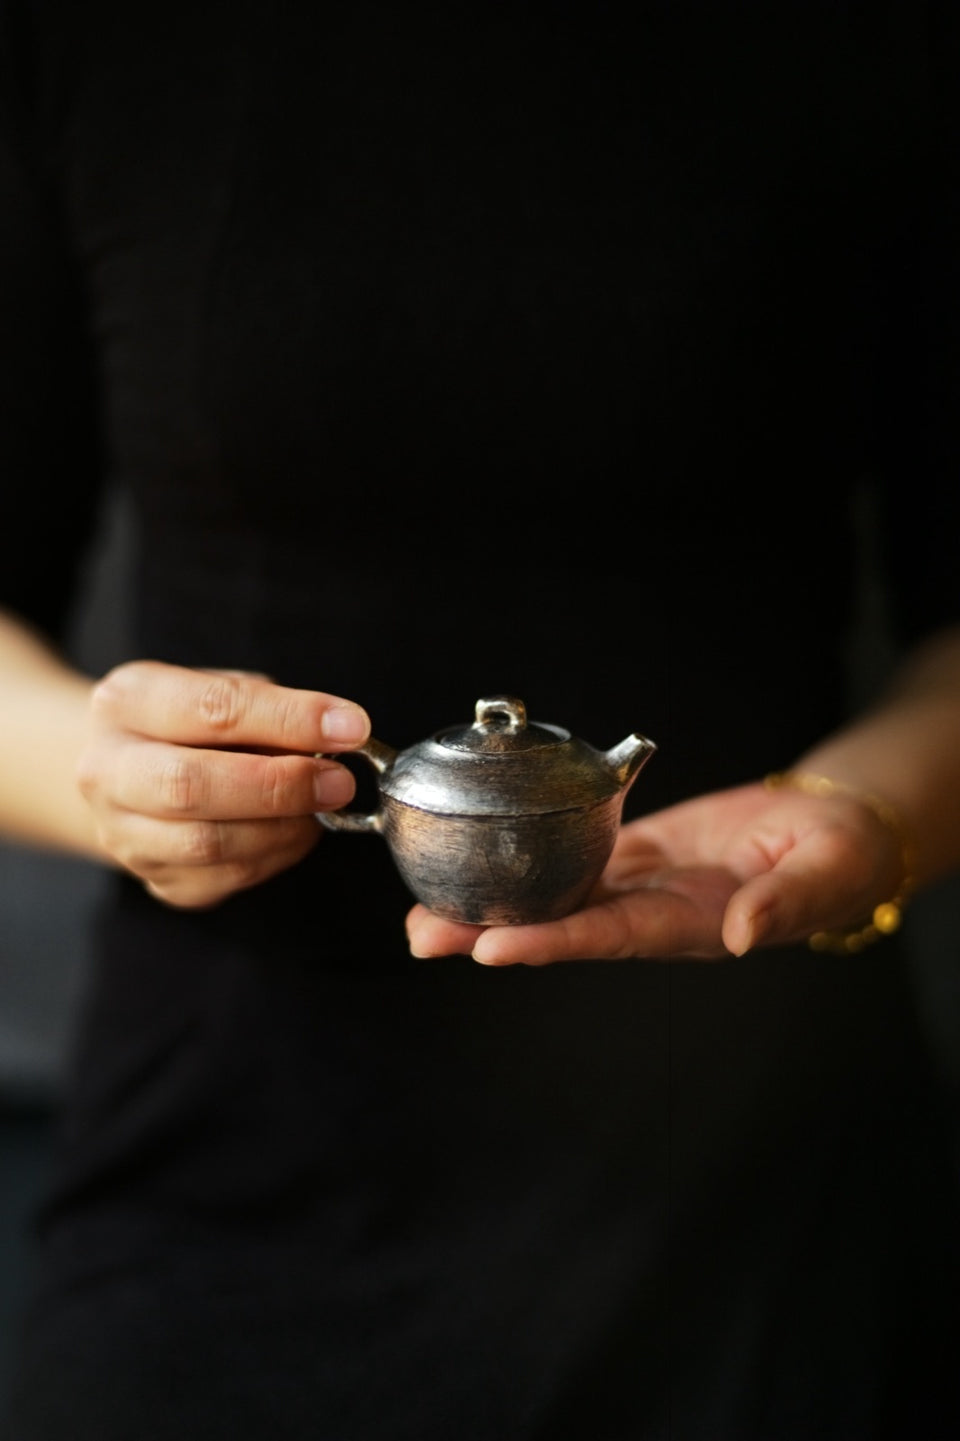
[918,394]
[50,432]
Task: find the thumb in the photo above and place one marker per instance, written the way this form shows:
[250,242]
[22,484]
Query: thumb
[828,878]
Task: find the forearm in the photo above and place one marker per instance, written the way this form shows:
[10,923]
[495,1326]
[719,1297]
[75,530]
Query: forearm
[43,727]
[906,749]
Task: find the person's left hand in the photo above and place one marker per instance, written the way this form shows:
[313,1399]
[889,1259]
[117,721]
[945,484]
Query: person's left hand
[710,877]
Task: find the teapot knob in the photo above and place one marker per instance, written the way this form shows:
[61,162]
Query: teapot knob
[494,710]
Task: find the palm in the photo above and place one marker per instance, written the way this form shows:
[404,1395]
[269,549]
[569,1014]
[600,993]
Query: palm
[668,886]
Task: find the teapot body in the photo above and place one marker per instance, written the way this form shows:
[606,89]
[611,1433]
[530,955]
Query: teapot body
[501,870]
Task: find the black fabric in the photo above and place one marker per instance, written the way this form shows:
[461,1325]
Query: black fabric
[448,351]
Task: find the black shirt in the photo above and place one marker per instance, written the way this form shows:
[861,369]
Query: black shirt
[448,351]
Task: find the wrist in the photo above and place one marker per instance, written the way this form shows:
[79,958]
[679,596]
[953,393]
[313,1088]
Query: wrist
[45,728]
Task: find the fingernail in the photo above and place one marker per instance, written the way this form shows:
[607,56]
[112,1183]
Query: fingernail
[345,723]
[333,787]
[485,960]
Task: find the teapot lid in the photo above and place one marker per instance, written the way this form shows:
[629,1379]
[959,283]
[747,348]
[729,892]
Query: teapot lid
[501,764]
[500,727]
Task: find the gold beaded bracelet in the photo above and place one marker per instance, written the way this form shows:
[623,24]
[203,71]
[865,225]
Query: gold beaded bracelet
[887,916]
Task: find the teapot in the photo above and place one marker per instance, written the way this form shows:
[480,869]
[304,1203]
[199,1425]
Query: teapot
[501,821]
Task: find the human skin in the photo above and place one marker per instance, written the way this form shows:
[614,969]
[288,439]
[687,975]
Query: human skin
[202,783]
[749,867]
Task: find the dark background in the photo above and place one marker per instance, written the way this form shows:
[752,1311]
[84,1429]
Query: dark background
[47,902]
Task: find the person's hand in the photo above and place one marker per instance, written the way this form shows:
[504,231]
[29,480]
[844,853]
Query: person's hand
[204,783]
[713,876]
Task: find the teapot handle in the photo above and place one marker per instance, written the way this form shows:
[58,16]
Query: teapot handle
[381,757]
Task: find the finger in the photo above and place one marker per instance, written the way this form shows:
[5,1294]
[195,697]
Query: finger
[183,782]
[230,670]
[209,708]
[193,878]
[430,935]
[650,923]
[828,878]
[151,848]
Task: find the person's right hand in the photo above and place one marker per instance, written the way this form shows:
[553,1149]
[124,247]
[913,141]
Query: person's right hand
[203,783]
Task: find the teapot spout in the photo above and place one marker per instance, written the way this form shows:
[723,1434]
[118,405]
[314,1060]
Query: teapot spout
[627,759]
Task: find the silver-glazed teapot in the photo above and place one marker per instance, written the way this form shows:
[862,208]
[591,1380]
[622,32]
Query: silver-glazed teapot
[500,822]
